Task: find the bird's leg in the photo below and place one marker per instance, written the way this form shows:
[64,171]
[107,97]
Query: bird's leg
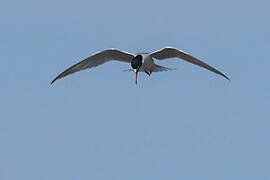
[149,73]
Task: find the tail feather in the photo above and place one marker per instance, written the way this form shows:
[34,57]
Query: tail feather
[159,68]
[128,70]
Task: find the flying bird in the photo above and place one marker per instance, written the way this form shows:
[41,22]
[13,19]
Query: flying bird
[143,62]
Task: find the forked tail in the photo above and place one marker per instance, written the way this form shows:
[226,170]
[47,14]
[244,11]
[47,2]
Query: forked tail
[158,68]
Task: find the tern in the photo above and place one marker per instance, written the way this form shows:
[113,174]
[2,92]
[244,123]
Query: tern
[143,62]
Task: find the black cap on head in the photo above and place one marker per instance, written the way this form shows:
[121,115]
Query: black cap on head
[136,62]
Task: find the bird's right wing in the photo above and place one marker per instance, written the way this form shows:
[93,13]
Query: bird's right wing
[96,60]
[170,52]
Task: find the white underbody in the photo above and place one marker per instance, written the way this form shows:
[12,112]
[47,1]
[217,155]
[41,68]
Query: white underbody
[149,66]
[148,63]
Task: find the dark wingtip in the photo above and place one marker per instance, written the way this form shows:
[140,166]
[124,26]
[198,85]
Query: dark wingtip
[226,77]
[53,81]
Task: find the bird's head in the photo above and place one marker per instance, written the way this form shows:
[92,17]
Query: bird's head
[136,63]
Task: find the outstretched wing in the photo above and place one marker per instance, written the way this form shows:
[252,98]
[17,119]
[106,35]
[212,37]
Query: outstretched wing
[169,52]
[96,60]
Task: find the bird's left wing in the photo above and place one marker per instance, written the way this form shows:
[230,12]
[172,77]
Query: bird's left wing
[97,59]
[169,52]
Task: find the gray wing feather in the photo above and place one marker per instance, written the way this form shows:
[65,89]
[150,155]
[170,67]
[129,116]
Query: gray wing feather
[169,52]
[97,59]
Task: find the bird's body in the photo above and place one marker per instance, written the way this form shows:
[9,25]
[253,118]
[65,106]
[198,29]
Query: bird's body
[143,62]
[148,63]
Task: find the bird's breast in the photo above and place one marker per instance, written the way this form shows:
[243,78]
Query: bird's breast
[147,61]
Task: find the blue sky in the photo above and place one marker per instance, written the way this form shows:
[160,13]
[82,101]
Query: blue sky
[97,124]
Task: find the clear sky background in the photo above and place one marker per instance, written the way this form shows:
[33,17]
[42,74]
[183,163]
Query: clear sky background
[97,124]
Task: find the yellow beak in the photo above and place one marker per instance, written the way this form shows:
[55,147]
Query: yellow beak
[136,76]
